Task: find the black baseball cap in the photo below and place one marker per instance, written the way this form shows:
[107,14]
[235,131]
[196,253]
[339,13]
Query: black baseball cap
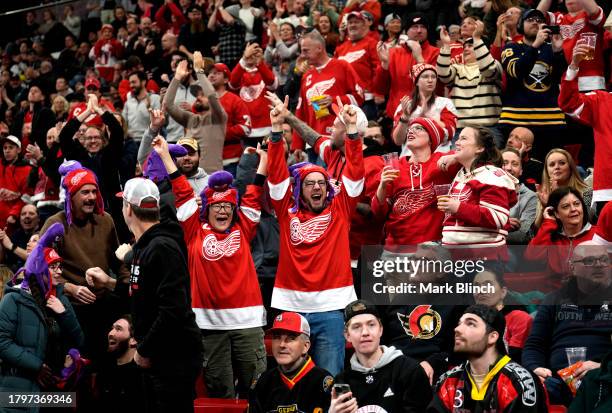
[358,307]
[417,18]
[493,319]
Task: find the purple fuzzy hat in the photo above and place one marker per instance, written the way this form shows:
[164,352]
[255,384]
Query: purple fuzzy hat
[36,267]
[154,168]
[299,171]
[64,169]
[219,189]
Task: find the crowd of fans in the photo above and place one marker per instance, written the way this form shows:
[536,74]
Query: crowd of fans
[257,148]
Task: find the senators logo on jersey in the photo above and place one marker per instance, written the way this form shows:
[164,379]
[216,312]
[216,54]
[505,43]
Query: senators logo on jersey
[308,231]
[213,249]
[422,322]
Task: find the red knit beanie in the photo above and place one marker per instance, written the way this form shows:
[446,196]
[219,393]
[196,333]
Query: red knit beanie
[435,131]
[420,68]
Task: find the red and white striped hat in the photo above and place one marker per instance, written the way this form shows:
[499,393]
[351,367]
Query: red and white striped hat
[435,131]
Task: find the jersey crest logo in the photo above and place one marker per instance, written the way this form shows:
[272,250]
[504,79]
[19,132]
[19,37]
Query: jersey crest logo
[320,88]
[252,92]
[220,195]
[353,56]
[408,202]
[539,78]
[213,249]
[308,231]
[77,178]
[569,31]
[422,322]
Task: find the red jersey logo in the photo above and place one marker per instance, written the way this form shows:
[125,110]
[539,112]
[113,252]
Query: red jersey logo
[214,250]
[308,231]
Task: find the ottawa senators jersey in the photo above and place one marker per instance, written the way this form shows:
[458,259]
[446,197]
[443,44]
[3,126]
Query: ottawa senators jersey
[308,391]
[508,388]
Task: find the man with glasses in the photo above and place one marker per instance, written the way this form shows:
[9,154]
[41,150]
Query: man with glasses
[314,274]
[225,293]
[579,315]
[533,70]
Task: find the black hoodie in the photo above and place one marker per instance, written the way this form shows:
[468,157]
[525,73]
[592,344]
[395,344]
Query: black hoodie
[164,324]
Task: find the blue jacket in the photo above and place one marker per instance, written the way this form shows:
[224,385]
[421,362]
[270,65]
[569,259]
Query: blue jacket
[23,338]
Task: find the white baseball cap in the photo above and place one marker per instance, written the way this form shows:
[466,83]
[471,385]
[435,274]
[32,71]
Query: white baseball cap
[139,191]
[12,139]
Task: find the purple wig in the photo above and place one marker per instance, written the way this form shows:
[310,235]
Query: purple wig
[217,182]
[154,168]
[298,172]
[36,265]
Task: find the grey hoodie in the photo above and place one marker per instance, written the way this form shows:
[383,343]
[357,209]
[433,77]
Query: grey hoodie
[198,181]
[389,354]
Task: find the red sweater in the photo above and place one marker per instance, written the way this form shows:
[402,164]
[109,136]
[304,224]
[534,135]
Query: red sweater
[251,85]
[314,266]
[363,57]
[225,292]
[410,209]
[335,78]
[558,258]
[592,109]
[603,232]
[14,178]
[238,126]
[397,81]
[486,196]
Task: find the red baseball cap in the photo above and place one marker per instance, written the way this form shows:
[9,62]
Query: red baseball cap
[92,81]
[221,67]
[357,14]
[290,322]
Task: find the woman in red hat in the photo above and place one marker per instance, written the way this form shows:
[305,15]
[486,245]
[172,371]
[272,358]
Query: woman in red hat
[37,322]
[426,104]
[406,198]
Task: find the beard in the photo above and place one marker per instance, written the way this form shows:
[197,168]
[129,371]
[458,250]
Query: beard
[476,349]
[120,348]
[189,170]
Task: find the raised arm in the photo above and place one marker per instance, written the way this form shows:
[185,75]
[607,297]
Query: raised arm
[178,114]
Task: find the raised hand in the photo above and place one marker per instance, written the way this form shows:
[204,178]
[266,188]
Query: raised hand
[198,61]
[278,114]
[445,37]
[348,114]
[182,70]
[158,118]
[579,54]
[383,55]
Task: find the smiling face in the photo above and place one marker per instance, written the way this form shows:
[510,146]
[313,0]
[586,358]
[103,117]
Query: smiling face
[32,243]
[286,32]
[55,270]
[84,201]
[466,147]
[569,211]
[93,140]
[364,332]
[189,163]
[512,164]
[220,216]
[356,27]
[324,24]
[28,218]
[119,338]
[288,348]
[558,168]
[467,27]
[314,192]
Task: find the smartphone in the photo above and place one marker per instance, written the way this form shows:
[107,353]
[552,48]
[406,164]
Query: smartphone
[341,388]
[553,29]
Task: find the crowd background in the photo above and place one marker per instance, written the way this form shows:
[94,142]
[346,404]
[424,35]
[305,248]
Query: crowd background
[483,95]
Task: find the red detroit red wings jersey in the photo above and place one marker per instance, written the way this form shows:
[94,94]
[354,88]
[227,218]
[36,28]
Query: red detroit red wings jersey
[411,210]
[591,76]
[314,271]
[225,292]
[252,85]
[238,126]
[336,78]
[363,57]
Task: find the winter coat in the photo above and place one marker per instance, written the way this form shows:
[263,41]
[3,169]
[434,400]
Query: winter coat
[23,338]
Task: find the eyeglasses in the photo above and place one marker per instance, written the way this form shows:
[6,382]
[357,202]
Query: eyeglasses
[534,20]
[56,266]
[219,207]
[311,184]
[592,261]
[418,128]
[92,138]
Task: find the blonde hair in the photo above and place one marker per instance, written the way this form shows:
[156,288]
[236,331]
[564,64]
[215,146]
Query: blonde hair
[5,275]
